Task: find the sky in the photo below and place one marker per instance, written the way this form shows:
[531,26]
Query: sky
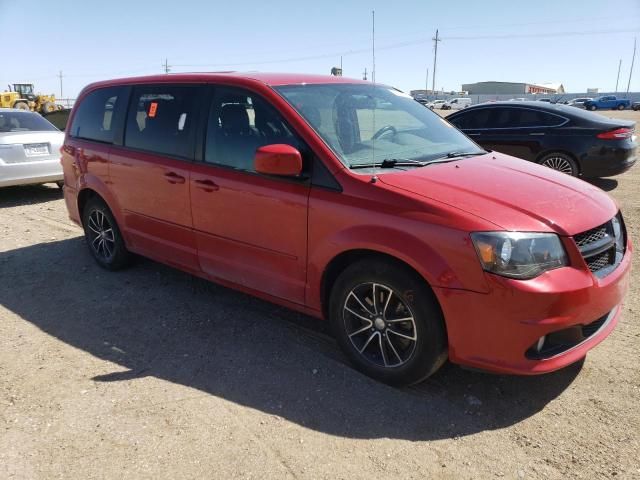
[576,42]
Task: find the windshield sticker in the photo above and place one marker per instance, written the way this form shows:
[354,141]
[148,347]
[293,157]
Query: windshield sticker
[153,108]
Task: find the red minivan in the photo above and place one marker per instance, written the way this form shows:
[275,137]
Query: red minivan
[352,202]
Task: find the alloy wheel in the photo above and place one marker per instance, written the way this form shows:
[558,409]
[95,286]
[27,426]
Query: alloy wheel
[380,325]
[101,236]
[559,163]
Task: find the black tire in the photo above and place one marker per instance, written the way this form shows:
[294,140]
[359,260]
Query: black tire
[561,162]
[109,250]
[592,108]
[60,184]
[620,107]
[414,359]
[48,107]
[21,105]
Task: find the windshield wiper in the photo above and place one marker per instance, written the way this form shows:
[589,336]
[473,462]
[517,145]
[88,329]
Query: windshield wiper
[463,154]
[390,163]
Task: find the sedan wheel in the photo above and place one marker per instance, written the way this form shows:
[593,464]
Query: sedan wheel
[561,163]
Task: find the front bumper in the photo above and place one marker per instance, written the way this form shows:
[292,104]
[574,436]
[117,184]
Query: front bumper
[494,331]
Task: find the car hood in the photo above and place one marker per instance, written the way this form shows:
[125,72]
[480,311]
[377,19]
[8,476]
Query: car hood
[512,194]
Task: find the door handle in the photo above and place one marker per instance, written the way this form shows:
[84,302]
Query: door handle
[207,185]
[537,133]
[173,177]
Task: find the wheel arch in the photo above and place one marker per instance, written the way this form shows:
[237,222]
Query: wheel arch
[343,260]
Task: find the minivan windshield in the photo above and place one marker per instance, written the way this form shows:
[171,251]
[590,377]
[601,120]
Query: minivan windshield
[376,125]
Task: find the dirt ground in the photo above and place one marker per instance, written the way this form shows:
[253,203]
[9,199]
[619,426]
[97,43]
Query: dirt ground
[150,373]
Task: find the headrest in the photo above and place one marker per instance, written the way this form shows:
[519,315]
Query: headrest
[234,117]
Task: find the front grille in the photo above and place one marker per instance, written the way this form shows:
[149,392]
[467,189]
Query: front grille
[598,247]
[598,262]
[591,236]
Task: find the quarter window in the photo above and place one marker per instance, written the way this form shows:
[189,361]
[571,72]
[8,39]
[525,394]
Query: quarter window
[239,123]
[161,120]
[94,118]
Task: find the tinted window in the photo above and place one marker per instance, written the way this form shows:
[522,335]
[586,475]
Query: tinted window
[161,119]
[471,119]
[239,123]
[93,118]
[19,121]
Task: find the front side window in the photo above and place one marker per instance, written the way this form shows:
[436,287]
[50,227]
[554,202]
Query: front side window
[368,124]
[93,118]
[239,123]
[161,119]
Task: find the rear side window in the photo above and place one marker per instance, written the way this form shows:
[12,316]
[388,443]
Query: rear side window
[93,119]
[19,121]
[161,119]
[472,119]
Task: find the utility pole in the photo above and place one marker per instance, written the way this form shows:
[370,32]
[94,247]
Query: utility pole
[364,74]
[435,39]
[60,77]
[618,78]
[166,66]
[426,83]
[341,63]
[633,59]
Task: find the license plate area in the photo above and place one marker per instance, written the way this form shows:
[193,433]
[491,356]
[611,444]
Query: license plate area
[36,149]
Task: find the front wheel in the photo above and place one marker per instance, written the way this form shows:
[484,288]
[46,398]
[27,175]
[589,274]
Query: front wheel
[592,108]
[620,107]
[388,322]
[103,236]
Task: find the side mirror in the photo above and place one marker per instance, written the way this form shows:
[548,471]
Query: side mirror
[278,159]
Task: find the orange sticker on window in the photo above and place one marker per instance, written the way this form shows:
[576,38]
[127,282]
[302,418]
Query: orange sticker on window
[153,108]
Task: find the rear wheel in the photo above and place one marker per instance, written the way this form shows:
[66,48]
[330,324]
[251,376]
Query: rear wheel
[560,162]
[103,236]
[21,106]
[388,322]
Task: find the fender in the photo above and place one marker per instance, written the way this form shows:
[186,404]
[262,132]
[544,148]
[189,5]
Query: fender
[424,256]
[93,182]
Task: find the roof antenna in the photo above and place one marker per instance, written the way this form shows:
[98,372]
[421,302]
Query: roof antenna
[374,178]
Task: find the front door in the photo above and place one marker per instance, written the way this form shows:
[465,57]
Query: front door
[150,173]
[250,229]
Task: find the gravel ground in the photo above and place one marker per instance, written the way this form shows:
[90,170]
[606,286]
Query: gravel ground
[151,373]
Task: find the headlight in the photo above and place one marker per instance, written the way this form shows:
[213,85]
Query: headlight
[519,255]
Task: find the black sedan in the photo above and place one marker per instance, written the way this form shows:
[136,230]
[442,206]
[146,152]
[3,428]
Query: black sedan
[567,139]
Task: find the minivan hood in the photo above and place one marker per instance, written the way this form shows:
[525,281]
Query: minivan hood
[512,194]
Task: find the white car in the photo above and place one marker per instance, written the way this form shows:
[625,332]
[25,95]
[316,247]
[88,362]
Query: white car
[29,149]
[439,105]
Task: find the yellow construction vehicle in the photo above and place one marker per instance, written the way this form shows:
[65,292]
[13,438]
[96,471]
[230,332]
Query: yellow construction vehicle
[21,95]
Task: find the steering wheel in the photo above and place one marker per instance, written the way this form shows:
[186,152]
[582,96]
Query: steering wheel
[383,131]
